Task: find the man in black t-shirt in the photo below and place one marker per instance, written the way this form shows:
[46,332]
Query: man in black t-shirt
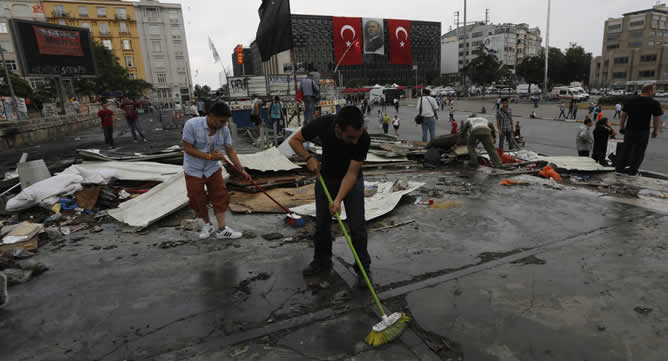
[635,125]
[345,144]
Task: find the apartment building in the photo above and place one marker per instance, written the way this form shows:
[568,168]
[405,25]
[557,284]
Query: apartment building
[162,36]
[511,43]
[634,51]
[20,9]
[112,23]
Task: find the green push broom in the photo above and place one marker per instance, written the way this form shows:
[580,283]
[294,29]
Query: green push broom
[391,326]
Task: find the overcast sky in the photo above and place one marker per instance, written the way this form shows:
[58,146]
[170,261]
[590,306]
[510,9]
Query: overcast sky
[232,22]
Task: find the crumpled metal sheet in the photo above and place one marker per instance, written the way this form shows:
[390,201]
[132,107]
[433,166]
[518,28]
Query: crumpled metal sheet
[268,160]
[584,164]
[381,203]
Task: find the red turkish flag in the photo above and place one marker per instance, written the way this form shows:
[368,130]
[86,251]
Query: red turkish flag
[348,40]
[400,41]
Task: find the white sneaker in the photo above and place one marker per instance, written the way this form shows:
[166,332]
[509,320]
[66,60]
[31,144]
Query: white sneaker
[228,233]
[206,231]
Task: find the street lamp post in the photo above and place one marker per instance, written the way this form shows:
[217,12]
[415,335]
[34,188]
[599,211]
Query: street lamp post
[547,47]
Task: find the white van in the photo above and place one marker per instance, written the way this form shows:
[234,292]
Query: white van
[564,92]
[526,89]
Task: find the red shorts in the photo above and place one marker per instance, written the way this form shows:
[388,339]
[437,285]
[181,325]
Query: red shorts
[215,192]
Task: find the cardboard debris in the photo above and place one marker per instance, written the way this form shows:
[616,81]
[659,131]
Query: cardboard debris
[241,202]
[87,198]
[268,160]
[24,232]
[381,203]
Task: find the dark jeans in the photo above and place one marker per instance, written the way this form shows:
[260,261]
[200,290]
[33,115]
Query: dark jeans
[135,127]
[354,206]
[309,109]
[633,152]
[386,127]
[109,135]
[583,153]
[509,136]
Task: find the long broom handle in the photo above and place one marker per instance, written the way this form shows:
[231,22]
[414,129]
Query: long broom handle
[258,187]
[352,248]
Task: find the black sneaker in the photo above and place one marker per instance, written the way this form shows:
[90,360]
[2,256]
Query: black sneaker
[314,268]
[4,298]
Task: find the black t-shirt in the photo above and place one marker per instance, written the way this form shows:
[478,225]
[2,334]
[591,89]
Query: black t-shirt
[336,155]
[640,111]
[602,134]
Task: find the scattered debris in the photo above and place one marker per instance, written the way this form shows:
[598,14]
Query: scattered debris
[529,260]
[642,310]
[239,351]
[272,236]
[369,191]
[249,235]
[393,225]
[446,205]
[510,182]
[400,185]
[548,172]
[244,286]
[190,224]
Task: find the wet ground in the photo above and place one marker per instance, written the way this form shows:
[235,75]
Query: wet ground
[534,272]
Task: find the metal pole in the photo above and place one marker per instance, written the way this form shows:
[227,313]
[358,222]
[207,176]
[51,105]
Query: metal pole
[466,50]
[9,81]
[547,48]
[294,74]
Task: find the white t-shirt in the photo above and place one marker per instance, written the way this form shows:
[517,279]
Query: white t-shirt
[428,106]
[478,123]
[619,107]
[395,122]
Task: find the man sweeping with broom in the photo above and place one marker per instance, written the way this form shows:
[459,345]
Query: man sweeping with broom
[345,144]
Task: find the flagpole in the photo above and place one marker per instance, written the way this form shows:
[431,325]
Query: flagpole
[294,74]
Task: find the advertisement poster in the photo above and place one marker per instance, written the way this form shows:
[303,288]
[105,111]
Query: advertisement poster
[58,42]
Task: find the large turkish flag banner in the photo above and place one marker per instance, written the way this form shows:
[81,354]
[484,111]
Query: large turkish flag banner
[348,40]
[400,41]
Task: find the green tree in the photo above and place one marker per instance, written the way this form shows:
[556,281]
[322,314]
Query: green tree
[532,69]
[21,87]
[46,92]
[201,92]
[111,76]
[577,64]
[486,68]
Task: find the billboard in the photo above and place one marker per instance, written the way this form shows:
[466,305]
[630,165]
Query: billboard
[374,37]
[53,50]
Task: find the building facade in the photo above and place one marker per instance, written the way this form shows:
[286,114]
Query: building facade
[313,41]
[20,9]
[112,23]
[634,51]
[511,43]
[248,66]
[164,49]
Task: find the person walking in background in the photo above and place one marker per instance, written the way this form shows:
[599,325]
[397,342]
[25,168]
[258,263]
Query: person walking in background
[201,108]
[561,111]
[505,124]
[107,124]
[637,114]
[498,104]
[596,110]
[193,110]
[276,113]
[452,112]
[584,140]
[575,110]
[396,105]
[395,123]
[570,109]
[602,133]
[380,119]
[618,111]
[386,123]
[130,108]
[311,91]
[429,110]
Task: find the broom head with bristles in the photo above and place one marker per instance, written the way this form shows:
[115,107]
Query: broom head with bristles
[388,329]
[294,220]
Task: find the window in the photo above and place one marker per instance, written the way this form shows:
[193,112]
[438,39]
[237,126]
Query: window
[107,44]
[162,78]
[635,34]
[132,76]
[173,15]
[11,64]
[59,10]
[155,29]
[176,34]
[101,12]
[121,14]
[85,25]
[620,75]
[635,44]
[83,10]
[637,23]
[477,35]
[615,27]
[124,27]
[651,34]
[650,43]
[152,12]
[648,58]
[159,63]
[129,61]
[61,22]
[156,45]
[104,28]
[646,74]
[614,37]
[613,46]
[5,45]
[624,60]
[127,45]
[177,43]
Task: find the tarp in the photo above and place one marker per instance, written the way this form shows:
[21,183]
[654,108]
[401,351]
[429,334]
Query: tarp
[584,164]
[268,160]
[101,172]
[383,202]
[97,154]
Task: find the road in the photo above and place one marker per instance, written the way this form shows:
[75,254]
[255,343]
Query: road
[546,136]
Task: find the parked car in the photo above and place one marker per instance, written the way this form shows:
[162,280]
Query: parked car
[660,94]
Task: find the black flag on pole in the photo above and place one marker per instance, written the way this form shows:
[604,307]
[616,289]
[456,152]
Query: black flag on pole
[274,34]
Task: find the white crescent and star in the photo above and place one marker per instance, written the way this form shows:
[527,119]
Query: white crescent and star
[396,34]
[343,30]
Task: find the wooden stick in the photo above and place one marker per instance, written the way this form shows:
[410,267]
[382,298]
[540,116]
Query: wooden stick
[394,225]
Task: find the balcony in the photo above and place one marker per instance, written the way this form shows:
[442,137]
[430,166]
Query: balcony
[122,18]
[61,14]
[105,33]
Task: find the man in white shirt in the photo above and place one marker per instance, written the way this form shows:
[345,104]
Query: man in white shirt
[479,130]
[428,108]
[618,111]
